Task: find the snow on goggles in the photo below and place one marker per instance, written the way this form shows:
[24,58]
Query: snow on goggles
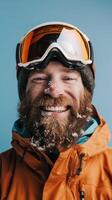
[54,39]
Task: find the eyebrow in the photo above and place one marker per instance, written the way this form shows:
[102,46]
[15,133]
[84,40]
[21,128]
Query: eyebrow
[66,70]
[62,70]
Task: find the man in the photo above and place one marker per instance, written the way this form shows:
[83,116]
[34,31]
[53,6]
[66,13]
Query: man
[59,143]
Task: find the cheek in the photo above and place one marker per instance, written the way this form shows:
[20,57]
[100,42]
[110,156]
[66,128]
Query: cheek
[76,92]
[35,91]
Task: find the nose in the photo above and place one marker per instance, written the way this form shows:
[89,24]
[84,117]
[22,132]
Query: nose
[54,89]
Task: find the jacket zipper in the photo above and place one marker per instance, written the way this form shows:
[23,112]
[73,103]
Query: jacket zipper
[80,167]
[78,173]
[81,195]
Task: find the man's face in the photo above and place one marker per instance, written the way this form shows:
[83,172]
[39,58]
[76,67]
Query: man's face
[55,105]
[56,81]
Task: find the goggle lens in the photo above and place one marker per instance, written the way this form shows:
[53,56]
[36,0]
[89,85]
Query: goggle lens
[70,41]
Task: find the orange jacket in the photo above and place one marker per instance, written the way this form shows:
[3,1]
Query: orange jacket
[81,172]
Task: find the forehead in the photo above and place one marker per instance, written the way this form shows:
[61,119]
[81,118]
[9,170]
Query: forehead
[55,67]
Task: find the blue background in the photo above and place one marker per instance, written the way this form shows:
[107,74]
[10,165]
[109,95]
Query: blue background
[94,17]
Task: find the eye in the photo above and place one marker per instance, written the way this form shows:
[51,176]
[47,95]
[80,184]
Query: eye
[69,78]
[39,79]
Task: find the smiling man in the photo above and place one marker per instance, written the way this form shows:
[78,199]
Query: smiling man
[59,145]
[55,102]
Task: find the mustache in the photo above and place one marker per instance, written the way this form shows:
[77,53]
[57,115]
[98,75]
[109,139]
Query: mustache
[61,101]
[27,106]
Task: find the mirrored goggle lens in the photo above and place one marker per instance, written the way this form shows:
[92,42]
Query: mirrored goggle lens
[70,41]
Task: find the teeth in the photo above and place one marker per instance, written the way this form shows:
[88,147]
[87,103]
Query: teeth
[55,109]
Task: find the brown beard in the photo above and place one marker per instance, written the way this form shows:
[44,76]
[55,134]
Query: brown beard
[49,132]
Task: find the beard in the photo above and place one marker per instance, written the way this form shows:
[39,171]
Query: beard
[48,132]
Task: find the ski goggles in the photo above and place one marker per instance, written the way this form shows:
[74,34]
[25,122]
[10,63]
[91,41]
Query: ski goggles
[54,39]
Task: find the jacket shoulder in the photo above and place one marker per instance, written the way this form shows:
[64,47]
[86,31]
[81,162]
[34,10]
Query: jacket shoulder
[7,155]
[107,159]
[7,152]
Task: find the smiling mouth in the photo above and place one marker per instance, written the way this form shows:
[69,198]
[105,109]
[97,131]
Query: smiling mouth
[55,109]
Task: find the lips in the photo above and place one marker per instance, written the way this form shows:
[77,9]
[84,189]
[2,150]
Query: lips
[54,109]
